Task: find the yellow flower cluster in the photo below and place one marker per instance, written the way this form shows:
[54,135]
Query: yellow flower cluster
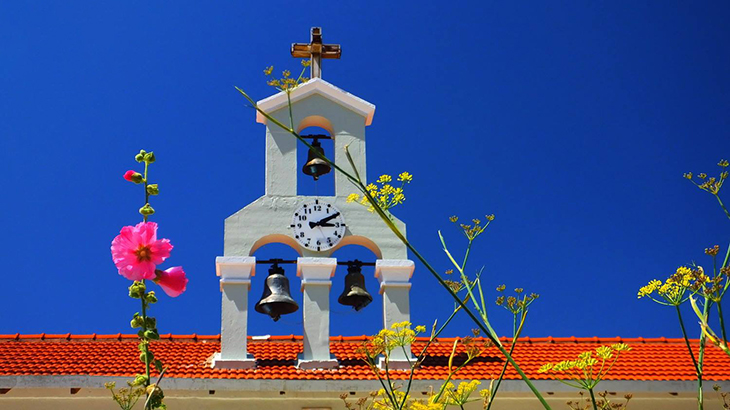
[472,231]
[459,396]
[386,195]
[286,83]
[582,370]
[711,184]
[674,289]
[399,335]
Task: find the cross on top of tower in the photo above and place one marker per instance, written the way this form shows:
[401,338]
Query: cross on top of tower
[316,51]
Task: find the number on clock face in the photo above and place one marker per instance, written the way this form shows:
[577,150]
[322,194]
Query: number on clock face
[318,226]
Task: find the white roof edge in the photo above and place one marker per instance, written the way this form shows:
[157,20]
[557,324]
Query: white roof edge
[323,88]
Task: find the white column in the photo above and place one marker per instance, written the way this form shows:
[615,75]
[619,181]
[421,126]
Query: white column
[394,276]
[235,273]
[316,284]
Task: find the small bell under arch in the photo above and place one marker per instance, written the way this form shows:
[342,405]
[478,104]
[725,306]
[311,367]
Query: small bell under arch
[316,166]
[276,300]
[355,294]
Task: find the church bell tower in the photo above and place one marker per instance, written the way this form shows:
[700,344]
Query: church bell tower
[314,226]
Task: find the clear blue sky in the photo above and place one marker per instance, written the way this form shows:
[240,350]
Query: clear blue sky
[571,121]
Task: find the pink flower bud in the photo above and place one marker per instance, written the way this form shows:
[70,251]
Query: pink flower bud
[132,176]
[172,280]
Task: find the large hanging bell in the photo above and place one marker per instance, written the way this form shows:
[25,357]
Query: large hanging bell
[355,294]
[276,300]
[315,165]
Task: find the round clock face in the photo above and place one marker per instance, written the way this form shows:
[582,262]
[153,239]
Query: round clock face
[318,226]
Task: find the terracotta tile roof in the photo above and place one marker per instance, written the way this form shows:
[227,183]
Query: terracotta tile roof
[188,356]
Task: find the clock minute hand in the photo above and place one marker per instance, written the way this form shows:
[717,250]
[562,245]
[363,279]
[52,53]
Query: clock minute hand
[327,219]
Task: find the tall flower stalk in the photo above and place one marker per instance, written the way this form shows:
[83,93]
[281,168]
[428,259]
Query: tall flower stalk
[690,281]
[480,317]
[136,252]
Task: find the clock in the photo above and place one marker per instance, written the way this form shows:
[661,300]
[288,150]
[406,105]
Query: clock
[318,226]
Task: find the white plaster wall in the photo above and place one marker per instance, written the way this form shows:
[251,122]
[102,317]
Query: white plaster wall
[267,220]
[53,393]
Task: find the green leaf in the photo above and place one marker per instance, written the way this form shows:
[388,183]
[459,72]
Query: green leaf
[158,365]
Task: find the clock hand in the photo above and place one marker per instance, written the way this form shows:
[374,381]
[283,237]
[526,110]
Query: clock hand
[323,220]
[333,216]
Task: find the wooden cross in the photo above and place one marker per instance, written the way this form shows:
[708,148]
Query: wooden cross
[316,51]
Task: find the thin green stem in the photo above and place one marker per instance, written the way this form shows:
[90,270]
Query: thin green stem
[593,399]
[722,322]
[145,342]
[701,358]
[686,340]
[727,213]
[466,255]
[501,374]
[146,194]
[291,117]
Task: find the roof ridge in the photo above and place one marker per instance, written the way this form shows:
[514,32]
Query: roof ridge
[361,338]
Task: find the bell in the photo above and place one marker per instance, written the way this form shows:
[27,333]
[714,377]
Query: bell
[355,294]
[276,300]
[315,165]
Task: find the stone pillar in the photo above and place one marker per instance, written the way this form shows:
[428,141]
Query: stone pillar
[394,276]
[316,284]
[235,273]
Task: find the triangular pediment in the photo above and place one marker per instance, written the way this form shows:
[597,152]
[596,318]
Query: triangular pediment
[320,87]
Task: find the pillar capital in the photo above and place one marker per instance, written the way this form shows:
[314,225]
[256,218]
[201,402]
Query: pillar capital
[316,271]
[394,272]
[235,270]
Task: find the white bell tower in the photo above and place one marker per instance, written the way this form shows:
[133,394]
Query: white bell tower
[269,219]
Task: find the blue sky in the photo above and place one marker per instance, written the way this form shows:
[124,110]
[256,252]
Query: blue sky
[573,122]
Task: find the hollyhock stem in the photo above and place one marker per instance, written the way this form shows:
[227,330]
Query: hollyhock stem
[145,341]
[146,201]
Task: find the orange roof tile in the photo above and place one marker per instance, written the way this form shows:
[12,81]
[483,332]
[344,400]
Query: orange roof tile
[188,356]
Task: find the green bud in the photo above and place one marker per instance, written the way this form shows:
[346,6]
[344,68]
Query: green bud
[143,355]
[151,298]
[136,321]
[149,157]
[150,323]
[137,289]
[151,335]
[146,210]
[140,380]
[140,157]
[152,189]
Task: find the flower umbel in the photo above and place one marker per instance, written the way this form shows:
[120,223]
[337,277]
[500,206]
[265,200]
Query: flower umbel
[673,291]
[386,195]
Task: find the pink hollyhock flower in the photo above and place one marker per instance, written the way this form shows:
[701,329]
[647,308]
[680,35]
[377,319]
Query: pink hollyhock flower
[172,281]
[136,251]
[128,175]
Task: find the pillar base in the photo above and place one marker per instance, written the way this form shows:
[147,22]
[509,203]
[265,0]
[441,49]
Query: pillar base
[396,364]
[317,364]
[219,363]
